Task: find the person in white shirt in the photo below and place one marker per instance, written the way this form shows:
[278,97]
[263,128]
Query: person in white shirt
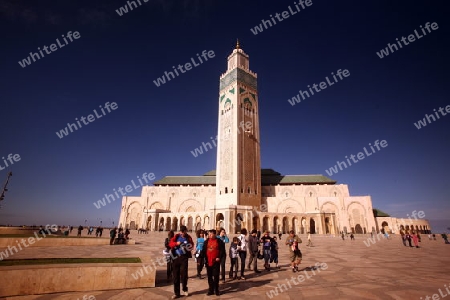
[243,251]
[309,240]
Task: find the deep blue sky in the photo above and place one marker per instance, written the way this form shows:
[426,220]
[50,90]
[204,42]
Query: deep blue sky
[155,128]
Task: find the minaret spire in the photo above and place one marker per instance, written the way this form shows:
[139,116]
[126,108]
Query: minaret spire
[237,44]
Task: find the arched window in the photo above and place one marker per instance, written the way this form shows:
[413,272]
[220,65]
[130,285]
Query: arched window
[226,190]
[248,190]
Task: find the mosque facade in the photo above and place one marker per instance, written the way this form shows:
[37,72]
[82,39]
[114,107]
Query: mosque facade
[239,194]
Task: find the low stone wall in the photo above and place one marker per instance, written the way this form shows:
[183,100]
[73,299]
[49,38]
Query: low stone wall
[45,279]
[57,242]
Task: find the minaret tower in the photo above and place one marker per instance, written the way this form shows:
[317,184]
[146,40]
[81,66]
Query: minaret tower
[238,175]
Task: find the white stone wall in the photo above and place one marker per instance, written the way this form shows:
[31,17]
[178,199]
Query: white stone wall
[173,199]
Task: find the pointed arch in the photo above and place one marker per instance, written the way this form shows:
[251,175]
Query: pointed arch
[186,204]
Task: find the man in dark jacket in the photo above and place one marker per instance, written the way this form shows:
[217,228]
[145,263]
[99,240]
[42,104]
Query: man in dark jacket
[213,252]
[112,235]
[181,246]
[253,243]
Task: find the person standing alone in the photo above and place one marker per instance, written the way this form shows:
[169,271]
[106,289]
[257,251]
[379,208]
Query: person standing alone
[295,254]
[310,244]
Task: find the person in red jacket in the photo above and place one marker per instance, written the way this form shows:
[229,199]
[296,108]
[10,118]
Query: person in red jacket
[181,246]
[213,252]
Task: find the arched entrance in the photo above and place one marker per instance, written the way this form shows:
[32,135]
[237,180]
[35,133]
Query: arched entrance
[384,227]
[219,221]
[265,224]
[198,223]
[358,229]
[161,224]
[132,225]
[312,226]
[255,223]
[169,223]
[295,225]
[175,224]
[327,225]
[206,222]
[276,228]
[238,222]
[190,223]
[285,225]
[303,226]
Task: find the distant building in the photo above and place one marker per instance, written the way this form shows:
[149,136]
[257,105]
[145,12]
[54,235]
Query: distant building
[385,223]
[239,194]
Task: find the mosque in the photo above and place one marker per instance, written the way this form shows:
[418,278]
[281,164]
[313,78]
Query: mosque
[239,194]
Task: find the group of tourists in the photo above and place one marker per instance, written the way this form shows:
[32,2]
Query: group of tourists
[122,236]
[411,235]
[210,252]
[352,236]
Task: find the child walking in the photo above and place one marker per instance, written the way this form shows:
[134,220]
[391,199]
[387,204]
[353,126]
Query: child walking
[234,258]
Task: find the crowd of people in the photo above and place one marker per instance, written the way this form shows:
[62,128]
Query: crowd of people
[210,252]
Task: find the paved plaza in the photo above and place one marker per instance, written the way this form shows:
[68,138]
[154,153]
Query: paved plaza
[384,270]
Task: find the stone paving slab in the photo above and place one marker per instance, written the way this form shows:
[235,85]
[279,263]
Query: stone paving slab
[384,270]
